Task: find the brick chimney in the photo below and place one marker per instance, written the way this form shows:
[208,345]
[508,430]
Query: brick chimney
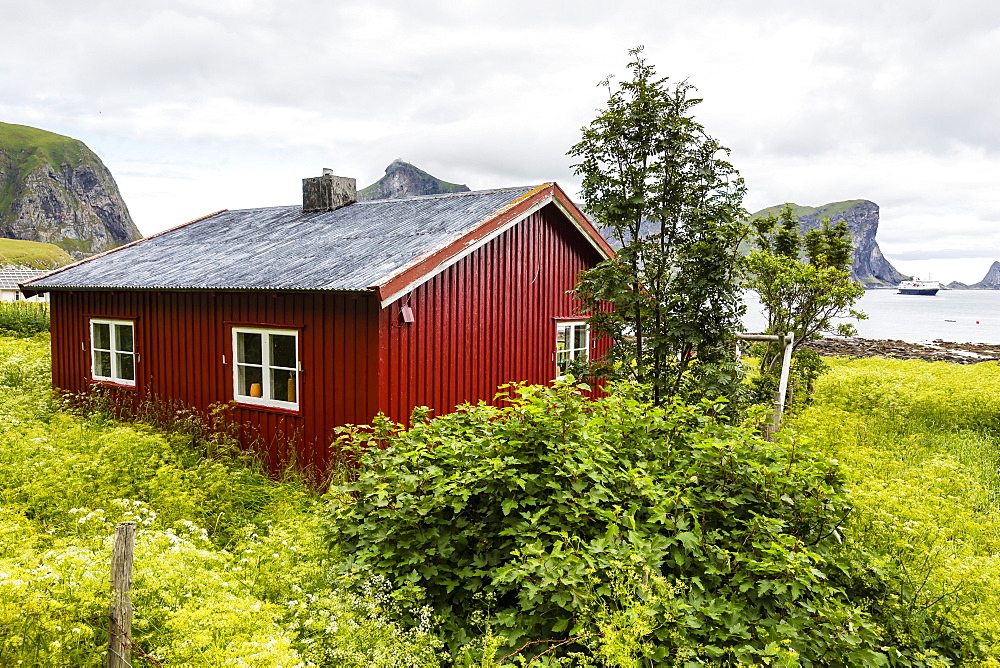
[328,192]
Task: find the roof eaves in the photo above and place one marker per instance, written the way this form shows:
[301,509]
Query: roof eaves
[197,288]
[29,292]
[582,223]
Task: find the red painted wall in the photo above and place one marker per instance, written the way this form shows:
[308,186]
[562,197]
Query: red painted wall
[488,319]
[181,338]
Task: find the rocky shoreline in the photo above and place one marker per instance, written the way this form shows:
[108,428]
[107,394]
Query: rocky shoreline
[935,351]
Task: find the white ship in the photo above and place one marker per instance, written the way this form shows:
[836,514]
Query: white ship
[918,287]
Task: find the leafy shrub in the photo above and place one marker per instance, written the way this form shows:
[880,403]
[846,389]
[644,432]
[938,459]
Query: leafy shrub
[525,516]
[24,318]
[357,627]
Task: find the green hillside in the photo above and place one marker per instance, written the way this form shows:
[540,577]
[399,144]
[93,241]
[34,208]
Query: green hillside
[826,211]
[54,189]
[34,254]
[26,149]
[39,147]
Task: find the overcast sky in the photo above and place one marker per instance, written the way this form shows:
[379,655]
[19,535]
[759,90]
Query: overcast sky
[197,106]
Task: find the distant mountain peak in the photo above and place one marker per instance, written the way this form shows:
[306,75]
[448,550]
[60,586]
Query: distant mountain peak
[991,281]
[404,180]
[54,189]
[868,266]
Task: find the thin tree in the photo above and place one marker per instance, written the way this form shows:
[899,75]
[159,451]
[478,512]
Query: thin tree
[804,283]
[661,187]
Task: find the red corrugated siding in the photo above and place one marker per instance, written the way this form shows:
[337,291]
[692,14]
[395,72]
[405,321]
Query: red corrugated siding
[486,320]
[181,338]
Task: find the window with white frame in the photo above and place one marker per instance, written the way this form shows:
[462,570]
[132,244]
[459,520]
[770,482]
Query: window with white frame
[112,351]
[572,345]
[266,368]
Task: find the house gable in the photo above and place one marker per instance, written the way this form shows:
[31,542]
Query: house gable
[428,265]
[487,319]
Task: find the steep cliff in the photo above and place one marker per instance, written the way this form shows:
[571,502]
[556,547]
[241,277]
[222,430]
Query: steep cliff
[404,180]
[991,281]
[54,189]
[869,267]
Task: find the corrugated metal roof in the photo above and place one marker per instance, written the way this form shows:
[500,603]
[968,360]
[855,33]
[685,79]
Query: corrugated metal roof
[283,248]
[11,276]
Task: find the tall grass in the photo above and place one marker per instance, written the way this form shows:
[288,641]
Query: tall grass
[35,254]
[229,569]
[920,442]
[24,318]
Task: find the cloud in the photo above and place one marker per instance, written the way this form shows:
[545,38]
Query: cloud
[197,106]
[943,254]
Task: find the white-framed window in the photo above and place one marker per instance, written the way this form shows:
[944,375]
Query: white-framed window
[112,351]
[266,367]
[572,345]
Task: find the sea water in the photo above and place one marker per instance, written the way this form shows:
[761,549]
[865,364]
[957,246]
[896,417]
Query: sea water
[961,316]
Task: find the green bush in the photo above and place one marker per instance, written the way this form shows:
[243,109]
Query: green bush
[523,518]
[24,318]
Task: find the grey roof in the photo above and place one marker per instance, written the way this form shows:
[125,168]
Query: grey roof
[11,276]
[283,248]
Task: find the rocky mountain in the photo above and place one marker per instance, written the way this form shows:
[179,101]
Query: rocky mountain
[404,180]
[991,281]
[54,189]
[870,268]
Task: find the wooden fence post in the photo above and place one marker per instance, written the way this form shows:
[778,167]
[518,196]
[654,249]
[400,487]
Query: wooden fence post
[769,429]
[120,617]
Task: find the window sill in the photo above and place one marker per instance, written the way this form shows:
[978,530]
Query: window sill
[114,385]
[295,412]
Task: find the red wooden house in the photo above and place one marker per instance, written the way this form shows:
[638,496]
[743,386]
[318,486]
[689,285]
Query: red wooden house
[305,318]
